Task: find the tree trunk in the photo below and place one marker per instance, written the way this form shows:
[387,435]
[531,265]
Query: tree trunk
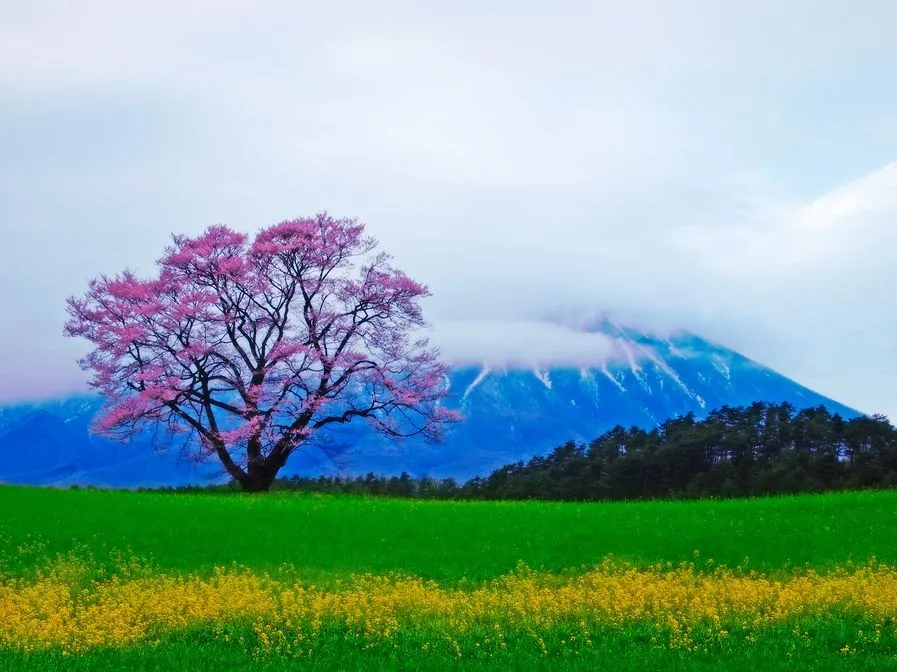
[260,471]
[259,477]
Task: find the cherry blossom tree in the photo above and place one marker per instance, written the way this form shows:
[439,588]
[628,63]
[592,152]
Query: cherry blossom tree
[255,348]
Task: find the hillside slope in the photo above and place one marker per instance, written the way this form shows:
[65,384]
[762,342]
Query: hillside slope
[511,414]
[514,414]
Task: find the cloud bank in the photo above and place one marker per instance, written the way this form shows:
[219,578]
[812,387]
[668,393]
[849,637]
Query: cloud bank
[726,167]
[519,344]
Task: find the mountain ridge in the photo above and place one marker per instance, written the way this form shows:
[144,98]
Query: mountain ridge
[512,413]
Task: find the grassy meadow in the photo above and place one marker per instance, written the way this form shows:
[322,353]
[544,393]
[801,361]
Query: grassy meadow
[121,580]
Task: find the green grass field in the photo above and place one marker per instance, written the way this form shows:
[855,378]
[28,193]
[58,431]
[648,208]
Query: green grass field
[323,541]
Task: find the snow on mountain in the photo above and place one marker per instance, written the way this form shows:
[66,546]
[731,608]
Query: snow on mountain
[511,413]
[514,413]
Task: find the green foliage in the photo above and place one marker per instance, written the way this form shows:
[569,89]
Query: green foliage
[328,537]
[822,647]
[761,449]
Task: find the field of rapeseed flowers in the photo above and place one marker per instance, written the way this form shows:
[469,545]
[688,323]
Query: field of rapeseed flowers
[77,609]
[66,607]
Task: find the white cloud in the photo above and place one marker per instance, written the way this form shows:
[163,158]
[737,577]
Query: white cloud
[698,165]
[818,278]
[520,344]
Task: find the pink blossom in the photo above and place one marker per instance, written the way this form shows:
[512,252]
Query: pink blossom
[257,345]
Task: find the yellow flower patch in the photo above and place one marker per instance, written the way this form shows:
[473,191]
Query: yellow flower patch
[63,607]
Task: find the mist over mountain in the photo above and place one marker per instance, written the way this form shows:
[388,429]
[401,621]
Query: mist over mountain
[513,410]
[513,413]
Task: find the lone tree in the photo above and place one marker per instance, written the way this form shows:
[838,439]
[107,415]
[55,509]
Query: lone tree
[257,347]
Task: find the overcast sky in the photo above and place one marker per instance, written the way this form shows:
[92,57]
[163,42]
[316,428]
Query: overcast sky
[723,166]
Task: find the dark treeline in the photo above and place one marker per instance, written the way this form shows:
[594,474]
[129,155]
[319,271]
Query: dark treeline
[761,449]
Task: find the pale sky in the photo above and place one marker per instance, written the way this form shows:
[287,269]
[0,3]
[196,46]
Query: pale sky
[728,167]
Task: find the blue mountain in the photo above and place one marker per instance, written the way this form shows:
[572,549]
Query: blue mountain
[49,443]
[510,414]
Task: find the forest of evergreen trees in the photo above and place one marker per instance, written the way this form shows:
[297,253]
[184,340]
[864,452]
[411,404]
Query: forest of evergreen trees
[761,449]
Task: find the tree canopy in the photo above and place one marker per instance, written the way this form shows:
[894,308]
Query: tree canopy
[253,348]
